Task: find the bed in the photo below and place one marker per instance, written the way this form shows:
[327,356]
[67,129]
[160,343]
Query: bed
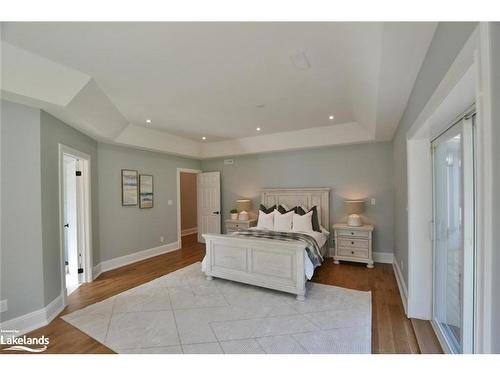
[273,263]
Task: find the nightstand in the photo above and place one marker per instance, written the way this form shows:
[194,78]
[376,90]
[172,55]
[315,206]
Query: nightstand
[237,225]
[353,244]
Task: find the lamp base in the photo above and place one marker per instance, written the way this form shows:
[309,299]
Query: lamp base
[354,220]
[243,215]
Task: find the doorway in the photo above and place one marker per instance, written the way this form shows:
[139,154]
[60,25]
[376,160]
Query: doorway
[74,192]
[202,197]
[72,199]
[453,228]
[187,207]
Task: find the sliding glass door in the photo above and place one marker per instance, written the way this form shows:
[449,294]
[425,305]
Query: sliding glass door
[453,176]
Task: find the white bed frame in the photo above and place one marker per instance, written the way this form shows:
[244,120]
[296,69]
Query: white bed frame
[270,263]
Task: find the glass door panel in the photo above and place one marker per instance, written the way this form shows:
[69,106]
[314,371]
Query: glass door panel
[453,210]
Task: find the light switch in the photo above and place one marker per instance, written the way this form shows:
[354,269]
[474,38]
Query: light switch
[373,202]
[170,202]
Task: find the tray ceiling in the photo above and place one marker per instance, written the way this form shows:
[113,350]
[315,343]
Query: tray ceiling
[217,80]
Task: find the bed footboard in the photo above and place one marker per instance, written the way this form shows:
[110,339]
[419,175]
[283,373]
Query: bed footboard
[272,264]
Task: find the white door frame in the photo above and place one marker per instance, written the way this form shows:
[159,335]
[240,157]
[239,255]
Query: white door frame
[179,230]
[473,59]
[86,229]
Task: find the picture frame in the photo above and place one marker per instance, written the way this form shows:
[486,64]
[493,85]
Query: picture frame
[129,179]
[146,191]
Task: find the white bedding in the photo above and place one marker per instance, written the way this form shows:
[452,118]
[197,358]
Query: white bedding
[308,266]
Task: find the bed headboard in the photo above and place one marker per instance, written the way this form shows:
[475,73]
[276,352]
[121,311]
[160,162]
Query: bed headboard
[307,197]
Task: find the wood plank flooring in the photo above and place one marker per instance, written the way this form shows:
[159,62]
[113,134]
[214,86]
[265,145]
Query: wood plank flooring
[426,338]
[392,332]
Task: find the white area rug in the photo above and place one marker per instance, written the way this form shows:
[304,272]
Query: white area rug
[183,313]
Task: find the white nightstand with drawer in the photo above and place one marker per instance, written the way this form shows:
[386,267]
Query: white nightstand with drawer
[236,225]
[353,244]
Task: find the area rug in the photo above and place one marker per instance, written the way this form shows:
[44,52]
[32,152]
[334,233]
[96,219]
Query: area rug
[182,312]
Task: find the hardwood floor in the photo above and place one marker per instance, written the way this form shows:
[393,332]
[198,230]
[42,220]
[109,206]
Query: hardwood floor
[426,338]
[392,332]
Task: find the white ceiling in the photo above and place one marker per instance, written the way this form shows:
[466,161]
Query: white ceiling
[208,79]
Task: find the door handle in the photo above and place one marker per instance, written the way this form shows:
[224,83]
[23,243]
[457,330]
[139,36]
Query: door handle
[66,225]
[215,212]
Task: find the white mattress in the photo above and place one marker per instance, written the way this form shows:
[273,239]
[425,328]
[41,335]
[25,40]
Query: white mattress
[308,266]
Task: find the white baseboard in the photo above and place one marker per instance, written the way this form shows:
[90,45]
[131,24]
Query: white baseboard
[111,264]
[383,257]
[36,319]
[403,291]
[96,271]
[186,232]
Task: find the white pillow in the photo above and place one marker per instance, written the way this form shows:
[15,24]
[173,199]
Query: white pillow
[302,223]
[266,221]
[282,221]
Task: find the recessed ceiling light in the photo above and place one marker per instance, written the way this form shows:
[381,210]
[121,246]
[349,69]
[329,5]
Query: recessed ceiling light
[331,117]
[204,138]
[148,121]
[258,129]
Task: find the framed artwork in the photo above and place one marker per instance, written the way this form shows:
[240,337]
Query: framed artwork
[145,191]
[129,187]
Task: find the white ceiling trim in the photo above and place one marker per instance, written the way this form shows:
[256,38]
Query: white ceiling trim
[30,75]
[158,140]
[292,140]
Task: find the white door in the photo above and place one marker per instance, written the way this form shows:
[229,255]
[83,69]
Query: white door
[70,223]
[209,218]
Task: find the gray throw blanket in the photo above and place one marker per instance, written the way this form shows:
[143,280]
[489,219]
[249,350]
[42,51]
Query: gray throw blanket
[310,243]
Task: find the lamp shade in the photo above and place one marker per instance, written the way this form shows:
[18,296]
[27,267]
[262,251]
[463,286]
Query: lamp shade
[354,207]
[243,205]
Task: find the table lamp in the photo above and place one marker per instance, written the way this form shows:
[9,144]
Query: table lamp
[243,206]
[354,208]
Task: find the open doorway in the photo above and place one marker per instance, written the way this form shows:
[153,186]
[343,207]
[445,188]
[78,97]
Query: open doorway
[187,207]
[74,188]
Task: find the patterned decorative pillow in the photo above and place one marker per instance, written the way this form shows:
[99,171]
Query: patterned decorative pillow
[283,209]
[315,219]
[266,210]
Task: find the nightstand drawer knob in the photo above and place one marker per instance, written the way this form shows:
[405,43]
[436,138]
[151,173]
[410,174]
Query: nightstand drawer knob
[352,233]
[352,243]
[352,252]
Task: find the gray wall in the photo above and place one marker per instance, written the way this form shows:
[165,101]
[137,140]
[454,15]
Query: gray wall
[30,256]
[352,171]
[21,241]
[125,230]
[446,44]
[495,43]
[53,132]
